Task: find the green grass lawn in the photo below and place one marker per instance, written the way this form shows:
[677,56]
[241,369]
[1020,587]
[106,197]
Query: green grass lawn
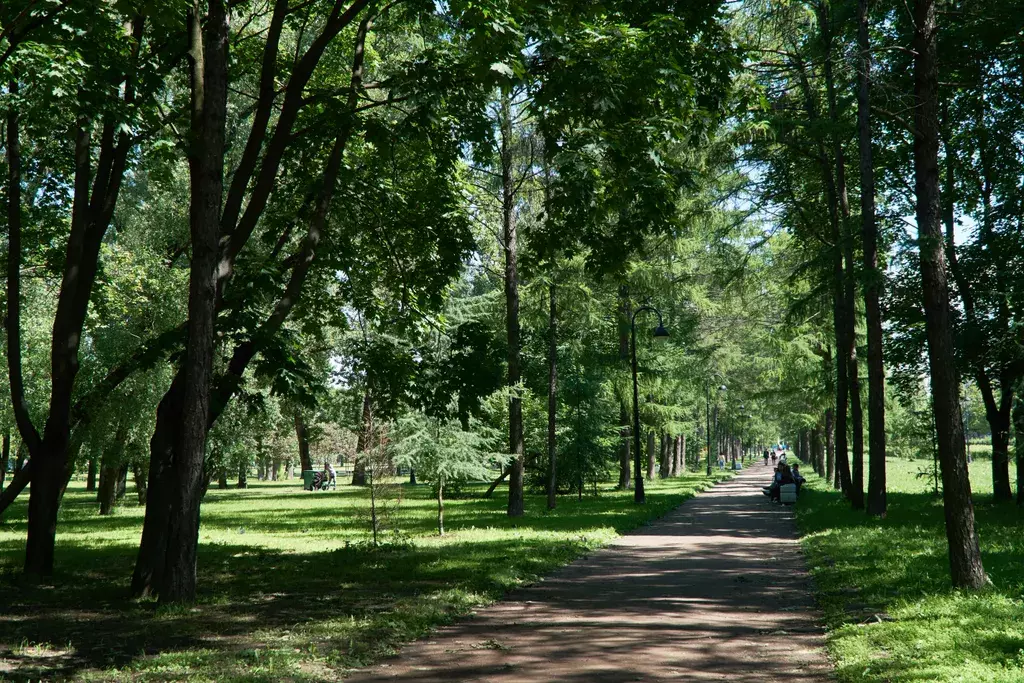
[290,587]
[884,584]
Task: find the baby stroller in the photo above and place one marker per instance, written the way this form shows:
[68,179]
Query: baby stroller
[320,481]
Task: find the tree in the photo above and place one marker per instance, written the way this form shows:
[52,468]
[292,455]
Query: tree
[964,551]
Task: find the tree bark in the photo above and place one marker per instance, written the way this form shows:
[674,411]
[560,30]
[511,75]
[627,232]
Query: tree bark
[90,477]
[552,397]
[222,479]
[682,454]
[652,455]
[677,455]
[209,54]
[839,316]
[816,449]
[510,245]
[625,479]
[303,441]
[830,449]
[964,549]
[873,278]
[150,560]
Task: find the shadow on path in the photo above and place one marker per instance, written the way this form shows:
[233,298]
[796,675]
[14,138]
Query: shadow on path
[716,590]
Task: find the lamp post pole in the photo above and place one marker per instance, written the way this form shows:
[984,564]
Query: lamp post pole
[660,334]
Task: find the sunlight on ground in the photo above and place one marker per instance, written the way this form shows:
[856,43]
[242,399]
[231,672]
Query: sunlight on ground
[290,587]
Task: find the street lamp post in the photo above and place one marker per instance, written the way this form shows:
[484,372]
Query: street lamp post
[660,334]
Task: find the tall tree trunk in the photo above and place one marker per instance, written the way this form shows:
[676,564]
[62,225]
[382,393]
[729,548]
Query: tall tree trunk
[222,479]
[816,448]
[510,244]
[666,453]
[677,455]
[552,397]
[652,455]
[873,278]
[302,439]
[964,549]
[848,352]
[243,476]
[830,448]
[839,315]
[209,55]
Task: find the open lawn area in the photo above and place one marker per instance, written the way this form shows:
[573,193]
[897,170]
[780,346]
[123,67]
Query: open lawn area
[884,584]
[290,588]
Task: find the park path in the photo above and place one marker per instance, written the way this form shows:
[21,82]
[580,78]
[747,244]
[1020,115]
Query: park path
[716,590]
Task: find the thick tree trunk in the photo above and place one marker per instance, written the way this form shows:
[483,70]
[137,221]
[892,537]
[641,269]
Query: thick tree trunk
[873,278]
[243,476]
[552,397]
[209,54]
[964,551]
[149,563]
[682,455]
[510,245]
[222,479]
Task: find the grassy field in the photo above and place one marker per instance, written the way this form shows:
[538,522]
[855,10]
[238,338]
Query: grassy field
[884,584]
[290,587]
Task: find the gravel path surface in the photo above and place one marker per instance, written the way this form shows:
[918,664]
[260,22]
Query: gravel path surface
[716,590]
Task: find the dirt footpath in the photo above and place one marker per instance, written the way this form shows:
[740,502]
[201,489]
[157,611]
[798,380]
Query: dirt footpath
[716,590]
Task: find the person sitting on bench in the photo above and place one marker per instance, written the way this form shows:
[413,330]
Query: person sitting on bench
[782,477]
[797,477]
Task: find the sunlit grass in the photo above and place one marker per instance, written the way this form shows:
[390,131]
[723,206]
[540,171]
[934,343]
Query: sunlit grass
[290,588]
[885,590]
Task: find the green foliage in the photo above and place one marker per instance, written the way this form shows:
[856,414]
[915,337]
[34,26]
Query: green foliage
[883,584]
[272,552]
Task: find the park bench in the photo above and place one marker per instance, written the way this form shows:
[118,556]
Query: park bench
[787,494]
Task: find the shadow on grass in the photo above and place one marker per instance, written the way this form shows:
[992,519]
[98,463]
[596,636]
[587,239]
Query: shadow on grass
[884,586]
[347,606]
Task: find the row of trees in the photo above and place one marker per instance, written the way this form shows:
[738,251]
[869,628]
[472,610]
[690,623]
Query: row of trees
[439,220]
[860,97]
